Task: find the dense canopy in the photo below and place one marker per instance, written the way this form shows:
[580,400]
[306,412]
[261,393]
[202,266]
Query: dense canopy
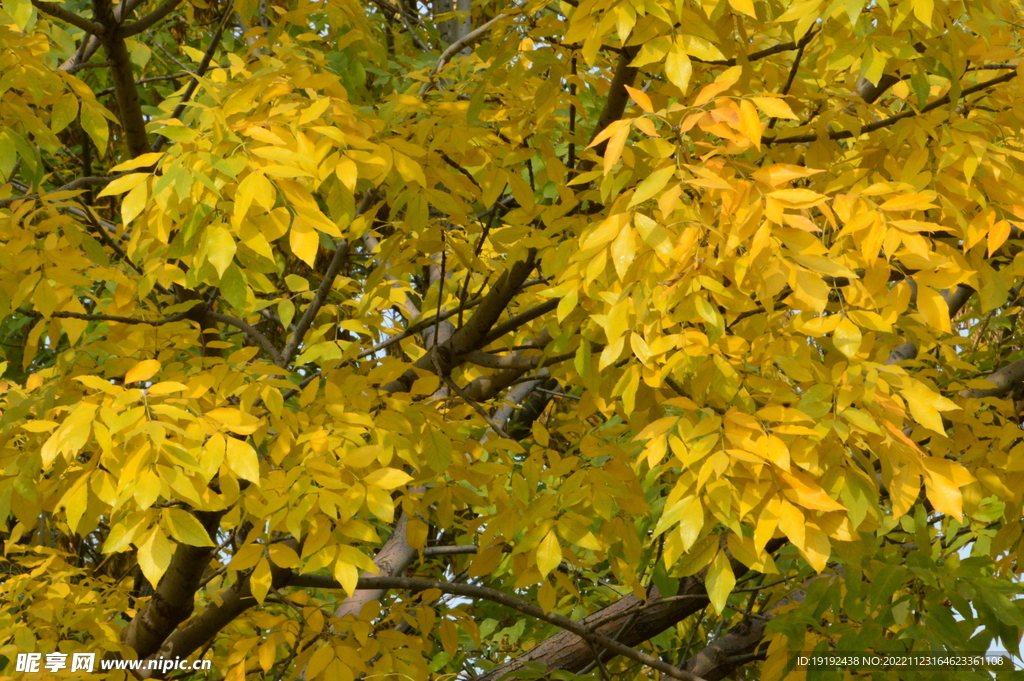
[628,339]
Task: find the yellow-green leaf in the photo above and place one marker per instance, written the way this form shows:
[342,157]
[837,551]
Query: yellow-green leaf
[154,555]
[549,553]
[720,582]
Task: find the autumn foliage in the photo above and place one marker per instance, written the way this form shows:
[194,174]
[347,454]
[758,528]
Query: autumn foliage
[636,339]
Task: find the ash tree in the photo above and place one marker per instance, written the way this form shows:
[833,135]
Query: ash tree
[643,339]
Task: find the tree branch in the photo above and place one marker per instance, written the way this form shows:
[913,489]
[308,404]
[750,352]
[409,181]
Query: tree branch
[106,317]
[58,12]
[519,605]
[174,597]
[91,43]
[955,300]
[145,22]
[225,608]
[253,333]
[320,297]
[761,54]
[892,120]
[1003,380]
[462,42]
[200,71]
[514,360]
[522,318]
[129,107]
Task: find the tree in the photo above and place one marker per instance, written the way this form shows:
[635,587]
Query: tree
[627,340]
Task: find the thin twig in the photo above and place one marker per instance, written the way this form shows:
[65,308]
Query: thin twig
[200,72]
[320,297]
[885,123]
[145,22]
[473,403]
[267,346]
[105,317]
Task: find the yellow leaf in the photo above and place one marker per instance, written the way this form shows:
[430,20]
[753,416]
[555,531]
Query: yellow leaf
[775,107]
[166,388]
[387,478]
[615,145]
[923,10]
[779,173]
[925,406]
[915,226]
[792,523]
[449,637]
[38,426]
[220,247]
[154,555]
[744,7]
[347,575]
[20,12]
[997,235]
[283,555]
[304,242]
[726,80]
[75,503]
[380,504]
[134,203]
[720,582]
[641,98]
[798,198]
[242,460]
[942,482]
[750,121]
[261,580]
[123,184]
[143,371]
[810,290]
[934,308]
[678,68]
[847,337]
[185,528]
[143,161]
[808,493]
[409,169]
[910,202]
[653,184]
[234,420]
[767,523]
[623,251]
[816,548]
[549,554]
[243,197]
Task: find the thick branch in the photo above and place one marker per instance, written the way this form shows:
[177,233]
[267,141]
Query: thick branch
[1002,380]
[471,336]
[174,597]
[522,318]
[955,300]
[515,360]
[479,592]
[91,43]
[55,10]
[225,608]
[128,104]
